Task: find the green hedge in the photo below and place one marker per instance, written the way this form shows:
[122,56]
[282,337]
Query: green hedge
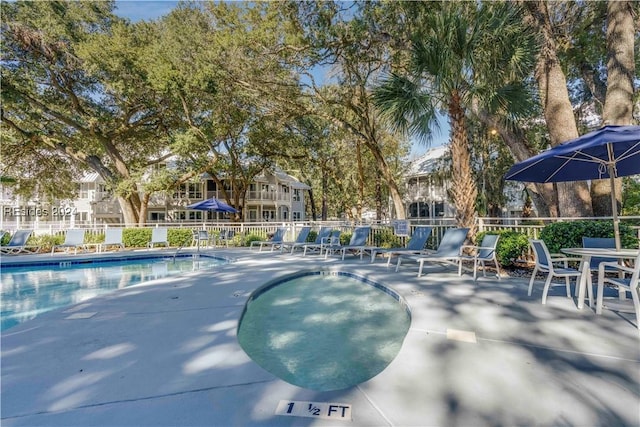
[569,234]
[140,237]
[45,241]
[136,237]
[511,246]
[386,238]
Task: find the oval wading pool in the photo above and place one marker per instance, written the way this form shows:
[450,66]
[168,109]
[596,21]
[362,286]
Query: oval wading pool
[324,330]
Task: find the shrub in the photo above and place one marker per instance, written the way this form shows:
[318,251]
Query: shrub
[179,236]
[511,246]
[136,237]
[246,240]
[385,238]
[569,234]
[345,238]
[93,238]
[312,236]
[45,241]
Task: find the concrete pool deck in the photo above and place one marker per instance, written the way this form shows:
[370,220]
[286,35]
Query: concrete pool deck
[165,353]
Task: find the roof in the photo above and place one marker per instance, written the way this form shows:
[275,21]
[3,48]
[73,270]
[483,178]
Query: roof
[292,181]
[428,162]
[90,177]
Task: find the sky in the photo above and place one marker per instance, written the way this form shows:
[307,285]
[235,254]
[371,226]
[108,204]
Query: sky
[137,10]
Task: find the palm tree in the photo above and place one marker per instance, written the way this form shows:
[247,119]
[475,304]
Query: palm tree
[464,55]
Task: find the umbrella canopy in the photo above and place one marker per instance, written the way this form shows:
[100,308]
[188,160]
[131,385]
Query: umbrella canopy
[213,205]
[609,152]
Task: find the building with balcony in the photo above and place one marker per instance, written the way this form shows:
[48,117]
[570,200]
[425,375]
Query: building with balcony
[273,196]
[426,195]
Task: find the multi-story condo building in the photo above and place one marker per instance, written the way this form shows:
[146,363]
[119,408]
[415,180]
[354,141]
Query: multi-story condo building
[426,196]
[273,196]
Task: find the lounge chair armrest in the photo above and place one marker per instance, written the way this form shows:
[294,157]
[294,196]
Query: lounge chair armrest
[425,252]
[614,264]
[564,259]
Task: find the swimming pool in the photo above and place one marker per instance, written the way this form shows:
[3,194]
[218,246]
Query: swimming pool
[324,330]
[28,291]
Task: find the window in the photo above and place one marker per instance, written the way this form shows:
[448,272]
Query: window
[268,215]
[297,216]
[419,210]
[83,191]
[296,195]
[157,216]
[190,190]
[189,215]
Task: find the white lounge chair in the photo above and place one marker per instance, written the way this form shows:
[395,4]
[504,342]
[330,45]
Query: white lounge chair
[448,249]
[276,240]
[322,238]
[301,239]
[159,237]
[415,245]
[486,252]
[73,239]
[332,244]
[18,244]
[112,237]
[358,242]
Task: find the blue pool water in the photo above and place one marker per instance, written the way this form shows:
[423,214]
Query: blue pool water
[324,331]
[27,292]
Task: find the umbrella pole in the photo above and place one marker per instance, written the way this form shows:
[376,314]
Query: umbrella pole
[614,209]
[614,201]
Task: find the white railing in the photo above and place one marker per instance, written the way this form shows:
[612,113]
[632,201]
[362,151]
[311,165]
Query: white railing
[530,227]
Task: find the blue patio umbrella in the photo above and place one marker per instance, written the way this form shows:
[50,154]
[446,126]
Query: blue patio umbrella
[213,205]
[609,152]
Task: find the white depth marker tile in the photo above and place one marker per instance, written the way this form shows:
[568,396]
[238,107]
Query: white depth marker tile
[464,336]
[76,316]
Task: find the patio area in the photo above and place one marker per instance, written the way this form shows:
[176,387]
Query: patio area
[479,353]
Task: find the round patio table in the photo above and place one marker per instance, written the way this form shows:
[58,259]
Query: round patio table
[585,272]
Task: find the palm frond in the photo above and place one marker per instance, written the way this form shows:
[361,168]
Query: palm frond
[405,106]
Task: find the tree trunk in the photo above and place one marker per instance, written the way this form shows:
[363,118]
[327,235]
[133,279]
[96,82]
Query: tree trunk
[573,197]
[464,191]
[384,169]
[618,106]
[325,188]
[129,212]
[144,205]
[543,196]
[360,200]
[378,200]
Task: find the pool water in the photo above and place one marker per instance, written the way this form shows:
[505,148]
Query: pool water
[324,331]
[27,292]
